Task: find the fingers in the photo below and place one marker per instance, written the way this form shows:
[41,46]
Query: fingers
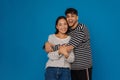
[63,49]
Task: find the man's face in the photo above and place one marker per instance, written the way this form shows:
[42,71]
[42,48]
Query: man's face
[72,19]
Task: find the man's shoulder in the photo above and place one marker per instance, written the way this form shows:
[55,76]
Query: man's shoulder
[80,27]
[83,28]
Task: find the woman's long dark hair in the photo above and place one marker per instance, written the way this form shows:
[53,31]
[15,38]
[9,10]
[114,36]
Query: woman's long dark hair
[60,17]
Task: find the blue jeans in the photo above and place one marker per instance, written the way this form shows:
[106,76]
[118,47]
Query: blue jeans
[56,73]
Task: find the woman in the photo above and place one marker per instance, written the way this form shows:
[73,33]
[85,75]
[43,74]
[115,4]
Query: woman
[58,64]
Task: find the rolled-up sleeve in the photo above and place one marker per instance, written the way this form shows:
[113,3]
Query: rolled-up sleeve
[71,57]
[54,55]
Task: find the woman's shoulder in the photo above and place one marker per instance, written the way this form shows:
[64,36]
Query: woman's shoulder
[69,37]
[52,36]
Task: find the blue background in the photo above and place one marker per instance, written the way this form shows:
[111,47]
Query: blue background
[26,24]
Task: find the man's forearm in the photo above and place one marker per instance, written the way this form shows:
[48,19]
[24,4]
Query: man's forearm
[48,47]
[69,48]
[56,47]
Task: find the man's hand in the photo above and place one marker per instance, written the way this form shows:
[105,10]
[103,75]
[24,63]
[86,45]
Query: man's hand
[69,48]
[63,50]
[48,47]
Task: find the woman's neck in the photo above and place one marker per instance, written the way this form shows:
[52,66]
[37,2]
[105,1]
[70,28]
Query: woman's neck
[60,35]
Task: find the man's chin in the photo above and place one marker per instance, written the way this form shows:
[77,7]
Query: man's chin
[70,24]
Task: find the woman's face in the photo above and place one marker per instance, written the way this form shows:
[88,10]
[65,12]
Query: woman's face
[62,26]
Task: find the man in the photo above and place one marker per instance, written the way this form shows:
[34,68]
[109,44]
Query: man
[81,68]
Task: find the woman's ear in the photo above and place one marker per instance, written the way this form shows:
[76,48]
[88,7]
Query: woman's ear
[56,27]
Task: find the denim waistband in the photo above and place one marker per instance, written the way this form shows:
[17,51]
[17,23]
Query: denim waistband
[58,67]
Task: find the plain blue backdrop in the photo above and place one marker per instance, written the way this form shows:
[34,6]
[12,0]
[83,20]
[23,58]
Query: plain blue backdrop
[26,24]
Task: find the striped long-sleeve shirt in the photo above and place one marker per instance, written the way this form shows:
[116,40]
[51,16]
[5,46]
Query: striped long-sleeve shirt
[80,40]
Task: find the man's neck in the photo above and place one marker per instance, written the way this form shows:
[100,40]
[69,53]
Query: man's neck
[75,25]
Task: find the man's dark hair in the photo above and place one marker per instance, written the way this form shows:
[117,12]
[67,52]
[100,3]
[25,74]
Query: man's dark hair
[72,11]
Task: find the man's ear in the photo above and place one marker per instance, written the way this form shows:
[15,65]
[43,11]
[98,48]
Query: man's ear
[77,17]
